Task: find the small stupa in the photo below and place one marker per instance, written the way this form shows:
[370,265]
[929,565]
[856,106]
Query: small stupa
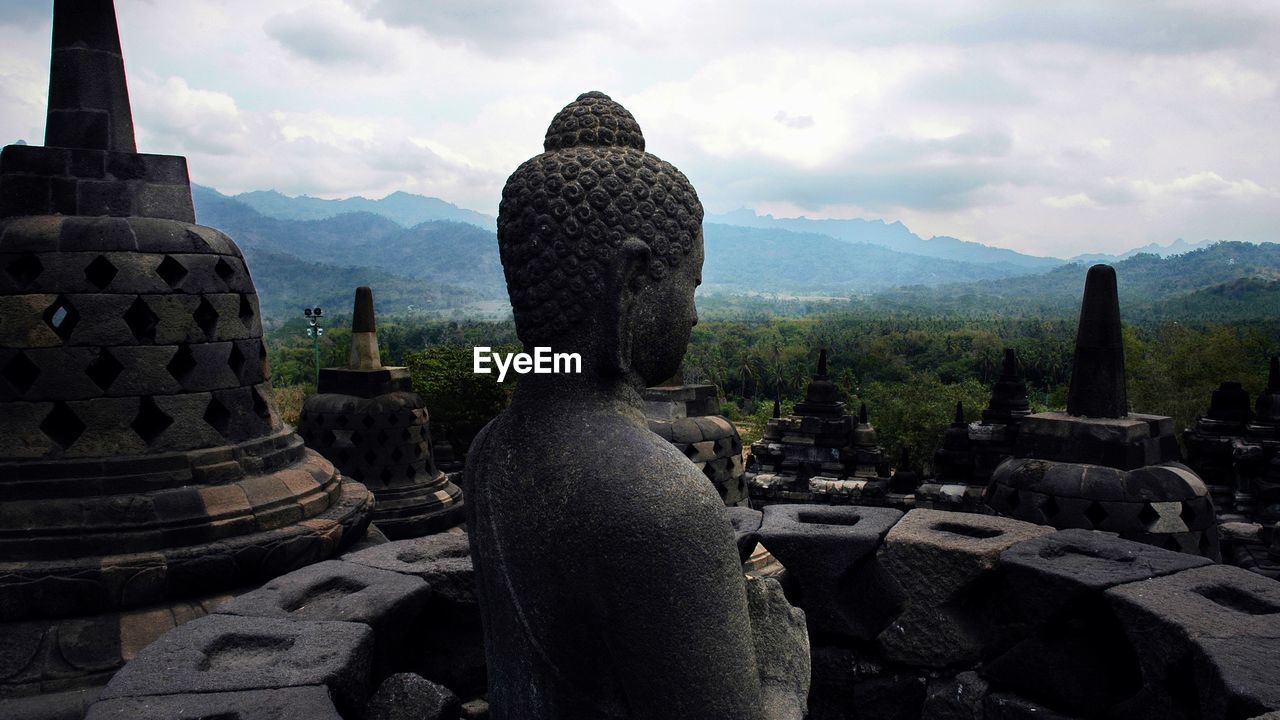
[1098,466]
[688,415]
[144,468]
[819,453]
[368,421]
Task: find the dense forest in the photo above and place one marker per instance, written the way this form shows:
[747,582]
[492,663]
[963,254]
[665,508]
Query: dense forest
[909,368]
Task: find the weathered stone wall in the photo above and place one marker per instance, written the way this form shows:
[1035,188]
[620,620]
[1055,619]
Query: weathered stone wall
[929,615]
[938,616]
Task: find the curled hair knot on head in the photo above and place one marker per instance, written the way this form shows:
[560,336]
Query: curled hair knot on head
[566,213]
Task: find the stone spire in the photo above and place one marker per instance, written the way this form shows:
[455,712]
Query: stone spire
[864,436]
[88,98]
[904,480]
[1097,374]
[1268,404]
[821,397]
[1008,394]
[364,334]
[138,430]
[89,165]
[956,437]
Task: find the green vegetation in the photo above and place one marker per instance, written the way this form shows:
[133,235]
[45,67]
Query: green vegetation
[909,368]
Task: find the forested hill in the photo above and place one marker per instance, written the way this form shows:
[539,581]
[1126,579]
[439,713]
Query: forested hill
[405,209]
[769,260]
[1226,281]
[454,264]
[444,265]
[894,236]
[437,265]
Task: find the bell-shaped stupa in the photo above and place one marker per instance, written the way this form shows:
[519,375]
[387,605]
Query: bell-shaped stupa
[367,419]
[143,464]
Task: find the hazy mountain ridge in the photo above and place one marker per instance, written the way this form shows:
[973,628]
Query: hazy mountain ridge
[894,236]
[770,260]
[405,209]
[441,264]
[1177,247]
[434,266]
[1226,280]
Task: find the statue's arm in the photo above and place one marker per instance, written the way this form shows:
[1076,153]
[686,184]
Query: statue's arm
[673,608]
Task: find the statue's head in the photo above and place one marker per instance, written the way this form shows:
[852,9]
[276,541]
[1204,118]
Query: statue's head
[601,244]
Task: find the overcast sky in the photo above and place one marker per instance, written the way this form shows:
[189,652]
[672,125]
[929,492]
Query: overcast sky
[1050,128]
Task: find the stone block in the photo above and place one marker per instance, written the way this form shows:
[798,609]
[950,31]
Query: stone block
[228,653]
[1054,585]
[296,703]
[406,696]
[1048,575]
[24,194]
[898,696]
[830,553]
[958,698]
[1004,706]
[781,647]
[96,234]
[52,705]
[943,561]
[443,560]
[1080,665]
[450,644]
[388,602]
[478,709]
[746,529]
[685,431]
[1207,639]
[24,325]
[38,233]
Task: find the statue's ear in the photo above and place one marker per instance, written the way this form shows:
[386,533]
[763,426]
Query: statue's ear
[626,280]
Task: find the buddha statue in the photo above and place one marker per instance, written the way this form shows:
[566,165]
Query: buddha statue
[607,575]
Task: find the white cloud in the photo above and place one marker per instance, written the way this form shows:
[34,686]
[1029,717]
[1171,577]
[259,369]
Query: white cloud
[497,27]
[1076,126]
[795,122]
[331,33]
[1070,201]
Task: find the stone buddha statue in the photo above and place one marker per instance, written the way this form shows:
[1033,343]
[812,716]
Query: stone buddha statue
[607,574]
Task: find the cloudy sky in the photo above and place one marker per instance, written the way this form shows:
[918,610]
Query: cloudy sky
[1051,128]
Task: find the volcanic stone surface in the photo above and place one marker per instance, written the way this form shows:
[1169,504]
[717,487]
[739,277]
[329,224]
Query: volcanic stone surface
[295,703]
[830,552]
[225,653]
[369,422]
[936,557]
[142,460]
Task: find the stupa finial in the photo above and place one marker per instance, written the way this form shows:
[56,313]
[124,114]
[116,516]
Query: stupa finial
[1097,373]
[88,97]
[364,334]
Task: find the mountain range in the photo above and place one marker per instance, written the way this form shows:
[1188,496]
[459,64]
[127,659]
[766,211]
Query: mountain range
[1224,281]
[432,255]
[403,208]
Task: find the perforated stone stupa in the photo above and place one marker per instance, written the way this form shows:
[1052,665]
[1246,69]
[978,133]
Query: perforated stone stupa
[143,466]
[1234,448]
[1098,466]
[820,453]
[369,422]
[689,416]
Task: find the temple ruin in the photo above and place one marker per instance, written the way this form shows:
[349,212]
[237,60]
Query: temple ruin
[169,548]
